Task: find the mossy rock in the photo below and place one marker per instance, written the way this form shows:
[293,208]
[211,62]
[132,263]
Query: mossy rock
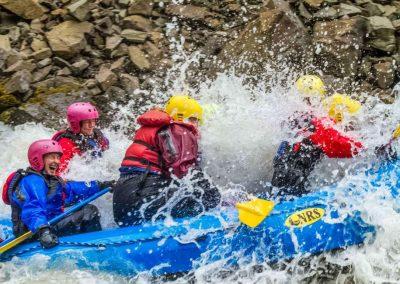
[7,101]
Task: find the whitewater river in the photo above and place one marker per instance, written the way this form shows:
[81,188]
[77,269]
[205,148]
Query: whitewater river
[238,143]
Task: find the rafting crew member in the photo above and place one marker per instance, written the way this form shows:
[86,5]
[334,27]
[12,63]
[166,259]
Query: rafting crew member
[81,136]
[165,146]
[314,138]
[38,194]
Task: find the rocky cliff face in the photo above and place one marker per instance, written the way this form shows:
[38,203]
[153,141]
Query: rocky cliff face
[55,52]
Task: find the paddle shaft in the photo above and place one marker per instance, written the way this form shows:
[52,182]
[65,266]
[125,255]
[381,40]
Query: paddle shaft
[12,242]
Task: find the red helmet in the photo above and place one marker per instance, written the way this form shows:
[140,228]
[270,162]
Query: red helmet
[78,112]
[40,148]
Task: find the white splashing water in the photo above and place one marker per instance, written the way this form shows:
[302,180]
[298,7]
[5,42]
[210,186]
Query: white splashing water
[238,143]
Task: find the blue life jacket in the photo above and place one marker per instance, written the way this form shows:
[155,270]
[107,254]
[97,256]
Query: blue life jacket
[39,197]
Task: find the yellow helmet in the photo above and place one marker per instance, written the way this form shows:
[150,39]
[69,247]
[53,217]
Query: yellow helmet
[338,104]
[181,107]
[310,86]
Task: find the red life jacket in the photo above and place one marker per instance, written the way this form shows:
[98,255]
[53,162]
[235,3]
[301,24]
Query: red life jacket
[144,152]
[162,145]
[333,143]
[6,187]
[101,141]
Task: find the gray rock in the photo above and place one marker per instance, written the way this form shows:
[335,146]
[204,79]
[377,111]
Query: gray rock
[5,43]
[188,12]
[304,12]
[27,9]
[19,82]
[134,36]
[79,66]
[38,44]
[138,59]
[118,64]
[104,25]
[141,7]
[350,10]
[129,83]
[68,38]
[64,72]
[41,54]
[137,22]
[61,62]
[106,78]
[381,34]
[21,65]
[396,24]
[313,3]
[41,74]
[79,10]
[374,9]
[327,13]
[112,42]
[44,63]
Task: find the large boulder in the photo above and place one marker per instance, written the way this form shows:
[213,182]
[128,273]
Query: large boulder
[276,38]
[338,45]
[27,9]
[68,38]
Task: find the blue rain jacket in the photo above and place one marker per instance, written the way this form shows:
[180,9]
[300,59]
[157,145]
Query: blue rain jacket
[39,203]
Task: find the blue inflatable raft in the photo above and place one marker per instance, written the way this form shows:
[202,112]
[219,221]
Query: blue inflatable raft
[310,224]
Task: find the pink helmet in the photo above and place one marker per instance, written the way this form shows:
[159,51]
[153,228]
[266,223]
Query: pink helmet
[40,148]
[78,112]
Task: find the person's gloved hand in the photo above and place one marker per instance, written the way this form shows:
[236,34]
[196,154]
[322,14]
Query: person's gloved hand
[46,238]
[106,184]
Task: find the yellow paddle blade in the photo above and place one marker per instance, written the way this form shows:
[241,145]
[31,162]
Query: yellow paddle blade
[15,242]
[396,132]
[253,212]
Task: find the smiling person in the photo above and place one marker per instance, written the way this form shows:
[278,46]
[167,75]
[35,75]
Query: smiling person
[37,195]
[81,136]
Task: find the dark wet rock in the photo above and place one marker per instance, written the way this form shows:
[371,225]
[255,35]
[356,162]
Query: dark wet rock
[384,74]
[275,37]
[338,45]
